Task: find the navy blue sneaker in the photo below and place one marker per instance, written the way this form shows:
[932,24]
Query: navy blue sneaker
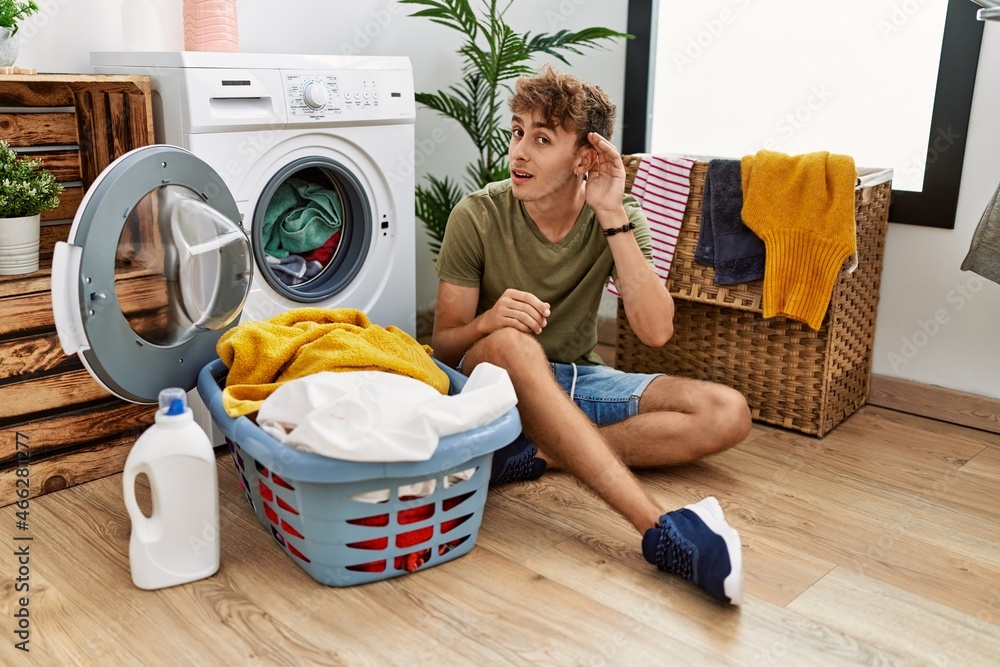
[696,543]
[516,463]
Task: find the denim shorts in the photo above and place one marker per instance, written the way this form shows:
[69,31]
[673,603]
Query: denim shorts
[607,396]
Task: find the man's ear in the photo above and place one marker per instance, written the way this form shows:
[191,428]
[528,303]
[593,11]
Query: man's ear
[586,158]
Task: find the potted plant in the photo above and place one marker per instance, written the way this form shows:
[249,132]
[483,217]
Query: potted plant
[12,11]
[25,191]
[492,53]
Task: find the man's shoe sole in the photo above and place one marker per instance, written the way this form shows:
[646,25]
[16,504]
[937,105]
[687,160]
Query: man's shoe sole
[709,511]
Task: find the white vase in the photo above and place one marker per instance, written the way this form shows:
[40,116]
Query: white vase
[9,43]
[19,244]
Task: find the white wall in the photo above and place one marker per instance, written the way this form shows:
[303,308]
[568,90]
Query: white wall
[936,324]
[61,37]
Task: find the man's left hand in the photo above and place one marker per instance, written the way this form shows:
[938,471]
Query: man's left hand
[606,177]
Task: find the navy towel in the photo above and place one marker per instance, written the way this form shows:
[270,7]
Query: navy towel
[704,251]
[725,242]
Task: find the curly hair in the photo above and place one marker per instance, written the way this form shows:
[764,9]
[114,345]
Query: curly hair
[565,101]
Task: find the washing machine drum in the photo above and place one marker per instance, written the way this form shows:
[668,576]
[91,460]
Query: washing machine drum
[312,228]
[156,268]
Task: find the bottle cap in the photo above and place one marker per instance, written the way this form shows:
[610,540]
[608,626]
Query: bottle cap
[173,401]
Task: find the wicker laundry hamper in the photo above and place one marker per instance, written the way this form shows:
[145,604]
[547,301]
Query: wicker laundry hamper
[792,376]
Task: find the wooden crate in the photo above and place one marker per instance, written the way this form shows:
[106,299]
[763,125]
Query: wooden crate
[75,430]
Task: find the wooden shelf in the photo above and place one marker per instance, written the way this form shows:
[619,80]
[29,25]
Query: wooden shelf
[46,398]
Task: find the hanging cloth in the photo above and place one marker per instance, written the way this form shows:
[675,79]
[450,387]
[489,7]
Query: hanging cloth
[662,186]
[802,207]
[984,253]
[725,242]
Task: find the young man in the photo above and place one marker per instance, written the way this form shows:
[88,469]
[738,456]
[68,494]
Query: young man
[522,268]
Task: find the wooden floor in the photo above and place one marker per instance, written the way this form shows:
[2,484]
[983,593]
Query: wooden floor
[877,545]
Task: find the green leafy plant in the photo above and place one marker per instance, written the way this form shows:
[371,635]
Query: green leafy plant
[11,11]
[25,189]
[492,53]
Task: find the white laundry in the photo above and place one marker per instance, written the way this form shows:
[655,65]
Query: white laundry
[415,490]
[375,416]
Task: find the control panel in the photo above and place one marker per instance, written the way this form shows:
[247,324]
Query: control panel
[313,96]
[341,95]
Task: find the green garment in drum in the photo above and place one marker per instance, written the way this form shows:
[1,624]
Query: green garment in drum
[300,216]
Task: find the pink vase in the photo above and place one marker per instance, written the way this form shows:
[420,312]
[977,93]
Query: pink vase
[210,25]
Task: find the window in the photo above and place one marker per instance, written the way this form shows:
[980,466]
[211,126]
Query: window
[888,82]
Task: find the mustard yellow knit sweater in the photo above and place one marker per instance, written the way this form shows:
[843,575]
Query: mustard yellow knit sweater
[802,207]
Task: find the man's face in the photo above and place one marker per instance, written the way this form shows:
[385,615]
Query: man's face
[541,157]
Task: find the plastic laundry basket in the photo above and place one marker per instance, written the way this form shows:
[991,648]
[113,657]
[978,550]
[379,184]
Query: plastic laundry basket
[348,523]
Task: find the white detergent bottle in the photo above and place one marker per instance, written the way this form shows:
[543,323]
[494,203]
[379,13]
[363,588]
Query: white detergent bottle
[179,542]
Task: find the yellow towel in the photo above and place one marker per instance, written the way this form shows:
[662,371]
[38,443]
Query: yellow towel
[802,207]
[263,355]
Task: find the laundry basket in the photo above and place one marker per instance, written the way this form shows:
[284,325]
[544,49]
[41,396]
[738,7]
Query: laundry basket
[791,375]
[348,523]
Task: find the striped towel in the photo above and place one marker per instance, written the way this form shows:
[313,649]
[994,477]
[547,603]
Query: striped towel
[662,186]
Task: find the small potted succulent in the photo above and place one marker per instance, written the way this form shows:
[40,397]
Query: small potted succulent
[25,191]
[12,11]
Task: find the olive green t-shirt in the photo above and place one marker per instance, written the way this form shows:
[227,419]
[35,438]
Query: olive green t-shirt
[491,243]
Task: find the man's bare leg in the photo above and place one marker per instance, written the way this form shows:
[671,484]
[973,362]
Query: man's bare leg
[694,542]
[680,420]
[554,423]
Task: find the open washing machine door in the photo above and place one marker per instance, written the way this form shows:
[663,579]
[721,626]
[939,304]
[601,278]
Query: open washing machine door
[155,270]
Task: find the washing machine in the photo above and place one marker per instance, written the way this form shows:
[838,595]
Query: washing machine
[335,132]
[174,243]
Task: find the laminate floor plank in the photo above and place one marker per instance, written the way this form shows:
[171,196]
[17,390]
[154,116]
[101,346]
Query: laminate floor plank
[916,488]
[778,572]
[875,545]
[58,633]
[357,620]
[518,530]
[911,543]
[986,465]
[775,572]
[943,430]
[895,507]
[913,629]
[354,619]
[895,457]
[753,635]
[529,619]
[171,622]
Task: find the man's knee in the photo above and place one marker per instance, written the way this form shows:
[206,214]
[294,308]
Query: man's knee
[508,348]
[729,415]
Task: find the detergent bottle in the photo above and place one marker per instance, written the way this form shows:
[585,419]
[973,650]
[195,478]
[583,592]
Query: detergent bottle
[179,541]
